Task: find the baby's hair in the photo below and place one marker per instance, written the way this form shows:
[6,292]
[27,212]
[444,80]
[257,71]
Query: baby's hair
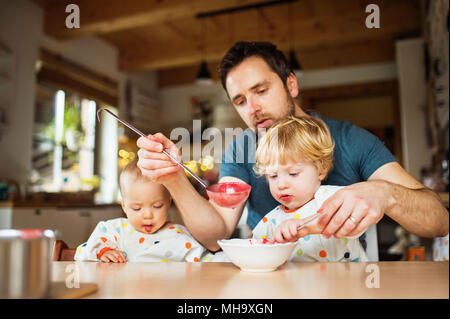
[296,139]
[133,171]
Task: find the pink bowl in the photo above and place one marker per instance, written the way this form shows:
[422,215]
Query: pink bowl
[229,194]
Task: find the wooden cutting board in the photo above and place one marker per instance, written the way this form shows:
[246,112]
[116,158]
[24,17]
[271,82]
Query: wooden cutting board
[58,290]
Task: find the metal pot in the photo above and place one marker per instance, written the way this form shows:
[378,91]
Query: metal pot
[25,262]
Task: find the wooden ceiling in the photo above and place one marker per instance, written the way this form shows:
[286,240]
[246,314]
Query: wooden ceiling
[165,35]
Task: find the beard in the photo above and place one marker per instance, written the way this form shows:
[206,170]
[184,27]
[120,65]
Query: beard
[289,110]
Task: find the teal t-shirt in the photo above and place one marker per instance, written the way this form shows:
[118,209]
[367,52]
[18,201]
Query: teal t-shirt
[357,154]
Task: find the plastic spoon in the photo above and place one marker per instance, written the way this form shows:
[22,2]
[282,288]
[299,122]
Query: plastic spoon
[229,194]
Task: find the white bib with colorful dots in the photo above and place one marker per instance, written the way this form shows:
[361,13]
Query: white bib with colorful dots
[172,242]
[313,247]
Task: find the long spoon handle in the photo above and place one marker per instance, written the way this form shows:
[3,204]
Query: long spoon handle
[131,127]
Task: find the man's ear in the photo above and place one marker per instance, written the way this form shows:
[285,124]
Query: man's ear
[292,85]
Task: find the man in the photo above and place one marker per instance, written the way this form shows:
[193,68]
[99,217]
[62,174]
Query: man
[262,88]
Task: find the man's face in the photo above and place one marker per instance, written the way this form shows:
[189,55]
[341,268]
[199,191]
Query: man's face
[258,94]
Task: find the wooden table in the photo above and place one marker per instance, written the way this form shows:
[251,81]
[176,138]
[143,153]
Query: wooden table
[179,280]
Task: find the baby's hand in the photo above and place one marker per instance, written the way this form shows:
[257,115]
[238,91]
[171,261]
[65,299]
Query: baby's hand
[115,255]
[286,231]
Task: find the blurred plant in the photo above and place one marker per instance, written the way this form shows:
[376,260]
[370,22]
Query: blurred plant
[94,181]
[73,134]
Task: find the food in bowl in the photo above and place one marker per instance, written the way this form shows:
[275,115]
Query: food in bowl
[256,255]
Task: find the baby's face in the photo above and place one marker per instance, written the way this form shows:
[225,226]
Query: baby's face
[145,204]
[294,183]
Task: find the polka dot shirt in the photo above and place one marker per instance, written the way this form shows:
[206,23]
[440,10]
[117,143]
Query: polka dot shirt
[313,247]
[172,242]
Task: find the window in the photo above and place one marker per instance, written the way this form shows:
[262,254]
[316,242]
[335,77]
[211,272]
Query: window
[72,151]
[68,142]
[64,142]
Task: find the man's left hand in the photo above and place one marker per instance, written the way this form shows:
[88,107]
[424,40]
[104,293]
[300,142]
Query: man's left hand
[351,210]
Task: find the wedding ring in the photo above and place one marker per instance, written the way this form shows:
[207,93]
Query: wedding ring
[353,219]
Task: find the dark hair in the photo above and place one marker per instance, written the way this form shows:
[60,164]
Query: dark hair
[266,50]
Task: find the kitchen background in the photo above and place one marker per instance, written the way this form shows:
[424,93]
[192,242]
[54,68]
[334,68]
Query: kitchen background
[154,63]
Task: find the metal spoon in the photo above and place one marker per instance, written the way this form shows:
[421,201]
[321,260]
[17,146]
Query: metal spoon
[218,193]
[315,217]
[131,127]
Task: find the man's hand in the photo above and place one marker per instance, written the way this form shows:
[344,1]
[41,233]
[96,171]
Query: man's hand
[351,210]
[115,255]
[391,191]
[153,163]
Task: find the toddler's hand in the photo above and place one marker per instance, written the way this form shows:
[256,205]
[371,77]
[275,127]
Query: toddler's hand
[115,255]
[286,231]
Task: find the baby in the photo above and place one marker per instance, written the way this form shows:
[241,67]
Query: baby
[145,235]
[296,155]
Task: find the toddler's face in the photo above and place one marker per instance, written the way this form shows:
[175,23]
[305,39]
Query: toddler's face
[146,205]
[293,184]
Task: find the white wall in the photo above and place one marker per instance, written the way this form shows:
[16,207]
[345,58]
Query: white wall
[93,53]
[177,100]
[348,75]
[412,87]
[144,110]
[21,29]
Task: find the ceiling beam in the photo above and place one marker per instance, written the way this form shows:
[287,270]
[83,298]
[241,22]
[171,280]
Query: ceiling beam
[64,82]
[107,16]
[399,18]
[76,71]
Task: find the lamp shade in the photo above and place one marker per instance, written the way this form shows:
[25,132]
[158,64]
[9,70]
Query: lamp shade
[203,75]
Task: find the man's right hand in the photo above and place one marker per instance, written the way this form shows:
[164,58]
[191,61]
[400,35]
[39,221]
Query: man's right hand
[153,163]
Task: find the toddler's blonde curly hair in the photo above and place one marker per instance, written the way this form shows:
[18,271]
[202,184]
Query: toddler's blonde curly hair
[296,139]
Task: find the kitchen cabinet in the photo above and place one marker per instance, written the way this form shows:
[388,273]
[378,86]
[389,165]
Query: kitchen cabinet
[73,225]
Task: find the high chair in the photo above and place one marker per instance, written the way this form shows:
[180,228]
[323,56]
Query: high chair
[62,252]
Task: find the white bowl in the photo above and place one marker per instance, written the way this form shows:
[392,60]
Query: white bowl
[252,255]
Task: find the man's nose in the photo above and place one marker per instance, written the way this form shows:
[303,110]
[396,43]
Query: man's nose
[253,106]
